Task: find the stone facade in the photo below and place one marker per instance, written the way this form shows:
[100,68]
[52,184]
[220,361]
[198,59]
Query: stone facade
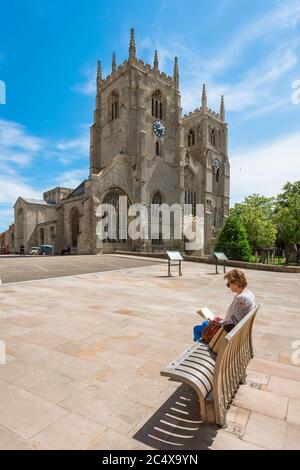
[7,240]
[188,162]
[4,242]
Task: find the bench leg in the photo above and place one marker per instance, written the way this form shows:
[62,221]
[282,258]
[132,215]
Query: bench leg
[202,407]
[243,379]
[210,412]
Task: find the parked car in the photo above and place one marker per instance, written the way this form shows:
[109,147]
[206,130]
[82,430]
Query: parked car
[46,250]
[34,250]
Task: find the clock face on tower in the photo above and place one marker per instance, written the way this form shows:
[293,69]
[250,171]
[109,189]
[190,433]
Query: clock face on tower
[216,163]
[159,129]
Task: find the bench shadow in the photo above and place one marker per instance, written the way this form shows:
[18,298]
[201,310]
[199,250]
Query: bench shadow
[177,425]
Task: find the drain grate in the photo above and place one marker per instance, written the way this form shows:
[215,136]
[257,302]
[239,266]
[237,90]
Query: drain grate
[236,429]
[254,384]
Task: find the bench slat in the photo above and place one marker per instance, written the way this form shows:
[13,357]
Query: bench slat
[199,363]
[189,378]
[198,374]
[204,357]
[200,371]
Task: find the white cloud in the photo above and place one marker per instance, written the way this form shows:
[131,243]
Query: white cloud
[266,169]
[258,88]
[88,86]
[285,16]
[14,135]
[11,188]
[79,145]
[18,151]
[72,178]
[18,148]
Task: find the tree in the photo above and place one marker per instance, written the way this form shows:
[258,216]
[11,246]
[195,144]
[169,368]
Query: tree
[233,240]
[255,213]
[267,204]
[287,218]
[290,191]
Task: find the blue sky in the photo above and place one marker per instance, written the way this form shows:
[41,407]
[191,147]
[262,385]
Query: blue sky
[247,50]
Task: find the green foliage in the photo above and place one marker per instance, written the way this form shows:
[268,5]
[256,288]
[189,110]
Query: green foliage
[287,214]
[260,222]
[255,214]
[233,240]
[290,192]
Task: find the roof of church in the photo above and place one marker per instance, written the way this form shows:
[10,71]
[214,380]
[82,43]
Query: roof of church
[77,191]
[40,202]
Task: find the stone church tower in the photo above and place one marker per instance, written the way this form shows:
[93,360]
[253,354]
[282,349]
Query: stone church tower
[143,148]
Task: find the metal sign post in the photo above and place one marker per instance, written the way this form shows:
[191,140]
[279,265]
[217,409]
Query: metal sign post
[175,258]
[222,258]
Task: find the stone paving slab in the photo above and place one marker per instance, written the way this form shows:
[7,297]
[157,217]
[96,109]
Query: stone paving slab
[17,269]
[84,355]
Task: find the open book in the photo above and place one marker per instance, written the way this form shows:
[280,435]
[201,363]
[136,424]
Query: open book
[206,313]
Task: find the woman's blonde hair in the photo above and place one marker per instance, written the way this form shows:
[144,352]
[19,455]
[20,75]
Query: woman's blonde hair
[237,277]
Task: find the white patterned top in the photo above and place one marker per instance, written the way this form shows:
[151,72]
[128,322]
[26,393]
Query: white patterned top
[240,307]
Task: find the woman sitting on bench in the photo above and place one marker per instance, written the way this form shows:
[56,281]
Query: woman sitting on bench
[243,302]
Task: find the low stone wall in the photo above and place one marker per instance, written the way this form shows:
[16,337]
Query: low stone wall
[210,260]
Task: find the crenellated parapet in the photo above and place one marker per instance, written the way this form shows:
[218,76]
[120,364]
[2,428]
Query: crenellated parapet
[140,65]
[133,61]
[209,112]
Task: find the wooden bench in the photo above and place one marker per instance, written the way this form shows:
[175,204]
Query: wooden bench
[216,377]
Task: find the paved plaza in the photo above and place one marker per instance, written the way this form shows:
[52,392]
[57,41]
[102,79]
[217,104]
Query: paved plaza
[84,355]
[15,268]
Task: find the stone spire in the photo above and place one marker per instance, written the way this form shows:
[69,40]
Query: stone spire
[222,109]
[99,73]
[98,84]
[155,63]
[114,63]
[204,98]
[176,72]
[132,49]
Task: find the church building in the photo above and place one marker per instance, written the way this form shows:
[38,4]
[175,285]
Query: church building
[143,148]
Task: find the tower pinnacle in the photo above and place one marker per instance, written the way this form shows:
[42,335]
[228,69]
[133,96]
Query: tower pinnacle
[114,63]
[204,98]
[176,72]
[99,73]
[222,109]
[155,64]
[132,49]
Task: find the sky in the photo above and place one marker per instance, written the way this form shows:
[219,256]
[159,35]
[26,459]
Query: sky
[247,50]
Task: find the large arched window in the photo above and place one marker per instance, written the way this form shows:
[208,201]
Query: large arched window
[156,218]
[118,228]
[215,224]
[42,236]
[191,138]
[52,233]
[157,148]
[190,192]
[75,226]
[218,172]
[213,137]
[114,105]
[157,105]
[20,223]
